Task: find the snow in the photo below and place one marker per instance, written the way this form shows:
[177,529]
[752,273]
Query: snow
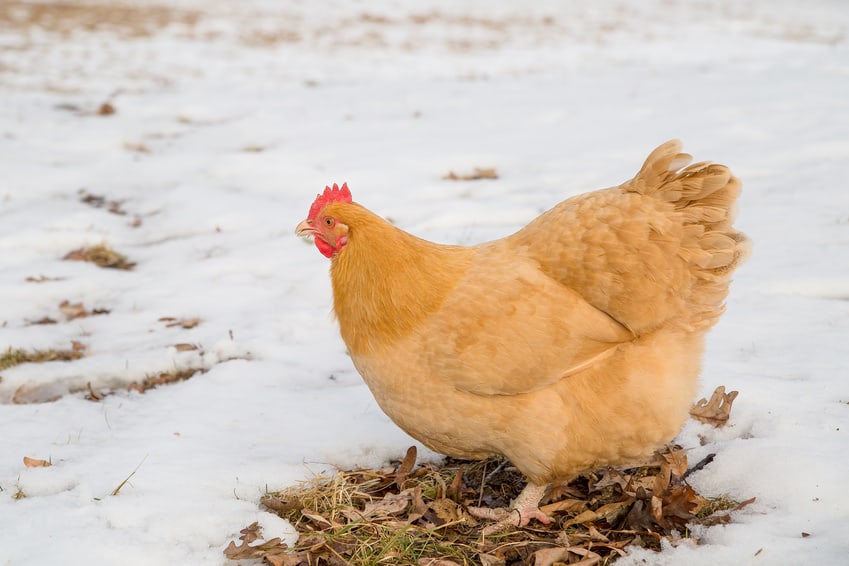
[230,117]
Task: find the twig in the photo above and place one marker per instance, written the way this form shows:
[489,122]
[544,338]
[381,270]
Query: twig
[484,477]
[497,469]
[701,464]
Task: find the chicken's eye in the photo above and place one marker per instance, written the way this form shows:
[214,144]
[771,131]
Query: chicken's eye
[328,221]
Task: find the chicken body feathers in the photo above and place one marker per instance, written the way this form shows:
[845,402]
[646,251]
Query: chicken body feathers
[575,342]
[658,249]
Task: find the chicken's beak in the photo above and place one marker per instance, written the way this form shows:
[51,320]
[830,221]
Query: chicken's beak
[305,229]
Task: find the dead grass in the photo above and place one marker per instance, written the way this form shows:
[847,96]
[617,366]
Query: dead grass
[67,18]
[407,515]
[164,378]
[102,256]
[13,357]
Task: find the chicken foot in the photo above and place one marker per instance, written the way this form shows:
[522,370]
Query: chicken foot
[524,509]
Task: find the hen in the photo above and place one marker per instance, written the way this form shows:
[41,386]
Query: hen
[573,343]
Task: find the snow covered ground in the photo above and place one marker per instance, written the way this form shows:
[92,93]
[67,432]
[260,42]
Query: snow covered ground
[229,117]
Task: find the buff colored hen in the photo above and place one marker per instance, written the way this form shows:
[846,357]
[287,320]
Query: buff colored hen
[574,343]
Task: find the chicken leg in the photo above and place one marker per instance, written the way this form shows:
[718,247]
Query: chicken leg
[525,508]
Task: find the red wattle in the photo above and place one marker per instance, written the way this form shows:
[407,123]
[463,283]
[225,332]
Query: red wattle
[325,248]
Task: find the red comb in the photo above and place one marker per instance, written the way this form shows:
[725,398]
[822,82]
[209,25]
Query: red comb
[336,194]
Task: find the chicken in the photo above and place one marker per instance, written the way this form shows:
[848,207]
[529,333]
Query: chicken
[573,343]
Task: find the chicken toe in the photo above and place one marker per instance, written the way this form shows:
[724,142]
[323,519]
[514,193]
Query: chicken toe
[525,508]
[527,505]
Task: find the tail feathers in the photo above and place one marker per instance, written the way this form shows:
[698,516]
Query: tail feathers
[704,196]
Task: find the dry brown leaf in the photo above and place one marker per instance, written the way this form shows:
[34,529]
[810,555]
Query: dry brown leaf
[36,463]
[479,173]
[105,109]
[448,511]
[183,347]
[102,256]
[246,551]
[639,517]
[436,562]
[596,536]
[681,505]
[73,310]
[137,147]
[99,201]
[186,323]
[92,394]
[566,506]
[612,476]
[491,560]
[613,511]
[589,559]
[676,457]
[42,279]
[289,559]
[716,411]
[316,518]
[419,506]
[587,516]
[552,556]
[406,466]
[280,505]
[391,504]
[657,508]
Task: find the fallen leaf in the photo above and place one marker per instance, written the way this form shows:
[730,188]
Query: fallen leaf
[479,173]
[245,550]
[105,109]
[137,147]
[186,323]
[406,466]
[639,517]
[35,463]
[552,556]
[587,516]
[182,347]
[92,394]
[681,505]
[448,511]
[613,511]
[455,488]
[42,279]
[596,536]
[564,506]
[102,256]
[391,504]
[73,310]
[316,518]
[491,560]
[716,411]
[676,457]
[657,508]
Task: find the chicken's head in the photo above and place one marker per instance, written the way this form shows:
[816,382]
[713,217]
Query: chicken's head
[327,232]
